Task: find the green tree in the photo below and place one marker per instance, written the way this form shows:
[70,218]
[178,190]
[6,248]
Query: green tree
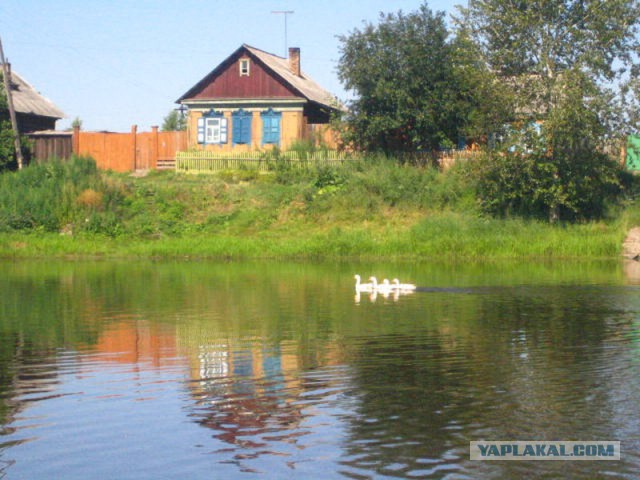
[564,61]
[174,121]
[539,41]
[7,152]
[415,88]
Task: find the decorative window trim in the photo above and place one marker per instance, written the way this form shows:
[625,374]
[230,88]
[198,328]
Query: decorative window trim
[241,124]
[244,67]
[271,127]
[212,128]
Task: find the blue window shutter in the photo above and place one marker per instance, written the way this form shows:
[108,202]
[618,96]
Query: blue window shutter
[236,129]
[246,129]
[275,130]
[223,130]
[241,126]
[271,127]
[201,130]
[267,130]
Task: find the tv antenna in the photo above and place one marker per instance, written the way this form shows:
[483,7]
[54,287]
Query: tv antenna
[285,13]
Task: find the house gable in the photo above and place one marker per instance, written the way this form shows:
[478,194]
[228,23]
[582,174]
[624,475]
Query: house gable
[33,110]
[228,82]
[262,99]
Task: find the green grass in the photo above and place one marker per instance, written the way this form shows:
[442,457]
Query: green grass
[370,209]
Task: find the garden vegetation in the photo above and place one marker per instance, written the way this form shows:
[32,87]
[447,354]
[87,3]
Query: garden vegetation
[372,207]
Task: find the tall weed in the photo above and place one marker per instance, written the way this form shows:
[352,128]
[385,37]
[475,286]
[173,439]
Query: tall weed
[53,195]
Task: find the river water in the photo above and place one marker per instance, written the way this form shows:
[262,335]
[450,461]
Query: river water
[153,370]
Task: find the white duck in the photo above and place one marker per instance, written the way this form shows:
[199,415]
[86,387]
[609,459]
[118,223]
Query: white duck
[363,287]
[385,287]
[402,286]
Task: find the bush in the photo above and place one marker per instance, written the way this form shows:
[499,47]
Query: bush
[546,186]
[53,195]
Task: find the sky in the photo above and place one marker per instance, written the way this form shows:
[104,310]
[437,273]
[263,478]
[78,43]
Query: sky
[118,63]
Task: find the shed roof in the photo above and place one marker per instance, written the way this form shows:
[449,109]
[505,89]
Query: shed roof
[302,84]
[27,100]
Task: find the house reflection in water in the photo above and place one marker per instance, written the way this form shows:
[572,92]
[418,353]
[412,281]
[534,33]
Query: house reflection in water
[247,396]
[256,395]
[135,342]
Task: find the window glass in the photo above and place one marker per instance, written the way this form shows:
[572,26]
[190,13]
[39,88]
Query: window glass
[271,127]
[244,67]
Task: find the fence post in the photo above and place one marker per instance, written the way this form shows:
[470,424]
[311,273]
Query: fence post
[134,138]
[153,161]
[75,142]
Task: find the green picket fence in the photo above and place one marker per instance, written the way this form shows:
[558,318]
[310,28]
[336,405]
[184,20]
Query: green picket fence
[209,162]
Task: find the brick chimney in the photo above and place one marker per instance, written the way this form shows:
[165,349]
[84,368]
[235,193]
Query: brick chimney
[294,60]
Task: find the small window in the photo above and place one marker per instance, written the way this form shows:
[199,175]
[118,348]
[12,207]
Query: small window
[244,67]
[212,128]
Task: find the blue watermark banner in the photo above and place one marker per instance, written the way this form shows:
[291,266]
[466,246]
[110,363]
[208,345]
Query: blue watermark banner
[537,450]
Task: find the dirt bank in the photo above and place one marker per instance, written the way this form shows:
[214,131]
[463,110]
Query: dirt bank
[631,245]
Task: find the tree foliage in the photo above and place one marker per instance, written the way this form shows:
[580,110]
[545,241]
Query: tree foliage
[7,152]
[415,88]
[174,121]
[564,61]
[545,47]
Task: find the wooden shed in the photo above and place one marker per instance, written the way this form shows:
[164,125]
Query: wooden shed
[255,100]
[34,112]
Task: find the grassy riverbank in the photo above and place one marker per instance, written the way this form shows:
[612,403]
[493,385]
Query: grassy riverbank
[368,209]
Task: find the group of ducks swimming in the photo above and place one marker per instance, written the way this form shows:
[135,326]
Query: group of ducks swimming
[385,287]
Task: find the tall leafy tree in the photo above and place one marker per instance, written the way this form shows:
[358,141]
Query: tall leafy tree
[414,87]
[545,45]
[564,61]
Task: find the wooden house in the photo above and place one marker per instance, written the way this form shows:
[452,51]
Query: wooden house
[34,112]
[255,100]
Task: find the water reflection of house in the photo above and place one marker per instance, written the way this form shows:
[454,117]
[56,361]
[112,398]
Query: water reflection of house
[249,393]
[132,341]
[241,391]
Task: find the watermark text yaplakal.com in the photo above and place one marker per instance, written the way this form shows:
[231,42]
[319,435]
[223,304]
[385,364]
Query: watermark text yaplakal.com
[537,450]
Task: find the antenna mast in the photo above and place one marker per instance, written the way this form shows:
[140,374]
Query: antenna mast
[285,13]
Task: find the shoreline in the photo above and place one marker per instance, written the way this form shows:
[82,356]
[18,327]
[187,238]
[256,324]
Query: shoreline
[565,243]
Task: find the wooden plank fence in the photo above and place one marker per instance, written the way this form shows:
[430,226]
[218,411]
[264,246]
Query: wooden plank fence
[121,152]
[203,161]
[50,144]
[126,152]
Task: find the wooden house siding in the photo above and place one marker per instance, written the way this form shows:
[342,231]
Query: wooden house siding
[292,128]
[258,84]
[50,144]
[28,123]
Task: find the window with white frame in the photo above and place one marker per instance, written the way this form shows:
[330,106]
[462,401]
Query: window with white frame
[212,128]
[244,67]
